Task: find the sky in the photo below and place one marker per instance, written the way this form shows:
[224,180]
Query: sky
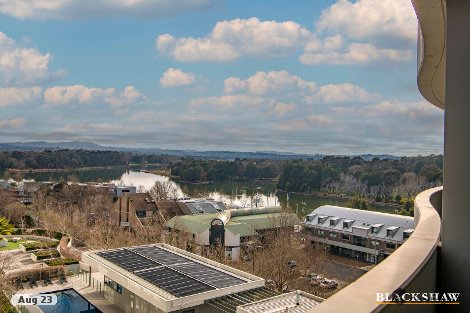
[330,77]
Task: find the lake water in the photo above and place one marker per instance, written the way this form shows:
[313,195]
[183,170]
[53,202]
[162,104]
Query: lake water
[246,193]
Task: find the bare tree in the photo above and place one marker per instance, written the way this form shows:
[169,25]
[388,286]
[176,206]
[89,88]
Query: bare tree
[163,191]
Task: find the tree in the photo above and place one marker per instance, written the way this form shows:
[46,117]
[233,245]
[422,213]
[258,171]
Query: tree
[163,191]
[5,227]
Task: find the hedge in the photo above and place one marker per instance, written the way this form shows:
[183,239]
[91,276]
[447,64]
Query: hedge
[5,305]
[56,262]
[47,254]
[40,245]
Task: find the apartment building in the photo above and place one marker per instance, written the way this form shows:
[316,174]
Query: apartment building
[364,235]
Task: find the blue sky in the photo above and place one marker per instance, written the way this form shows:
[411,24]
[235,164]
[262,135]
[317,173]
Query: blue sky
[334,77]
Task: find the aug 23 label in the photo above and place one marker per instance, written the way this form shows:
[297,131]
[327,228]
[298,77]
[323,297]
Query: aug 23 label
[38,299]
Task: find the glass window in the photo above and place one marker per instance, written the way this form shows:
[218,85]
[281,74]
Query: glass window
[113,285]
[346,237]
[391,245]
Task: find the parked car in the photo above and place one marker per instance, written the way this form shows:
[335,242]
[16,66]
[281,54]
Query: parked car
[315,279]
[328,284]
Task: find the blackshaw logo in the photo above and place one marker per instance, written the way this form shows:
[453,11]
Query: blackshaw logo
[404,297]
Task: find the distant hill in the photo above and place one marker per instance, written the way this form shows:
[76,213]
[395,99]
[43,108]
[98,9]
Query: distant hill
[217,155]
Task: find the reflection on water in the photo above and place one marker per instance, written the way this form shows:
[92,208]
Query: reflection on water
[246,193]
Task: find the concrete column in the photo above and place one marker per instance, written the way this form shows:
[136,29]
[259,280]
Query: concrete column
[455,275]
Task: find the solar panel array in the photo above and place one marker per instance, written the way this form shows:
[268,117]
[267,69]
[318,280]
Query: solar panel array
[176,274]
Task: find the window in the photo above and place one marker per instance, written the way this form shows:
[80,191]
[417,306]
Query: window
[310,218]
[140,213]
[113,285]
[374,242]
[376,228]
[359,241]
[333,234]
[347,223]
[320,232]
[391,231]
[346,237]
[391,245]
[407,233]
[334,221]
[322,219]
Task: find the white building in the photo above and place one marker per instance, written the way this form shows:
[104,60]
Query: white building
[365,235]
[161,278]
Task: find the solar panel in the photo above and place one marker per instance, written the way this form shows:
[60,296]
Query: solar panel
[160,255]
[176,283]
[176,274]
[208,275]
[128,260]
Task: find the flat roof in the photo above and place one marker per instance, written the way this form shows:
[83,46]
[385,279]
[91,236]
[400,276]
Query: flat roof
[292,302]
[174,273]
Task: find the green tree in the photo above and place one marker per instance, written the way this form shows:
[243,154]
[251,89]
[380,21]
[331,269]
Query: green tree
[5,227]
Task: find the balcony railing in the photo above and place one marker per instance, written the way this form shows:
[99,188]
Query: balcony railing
[412,267]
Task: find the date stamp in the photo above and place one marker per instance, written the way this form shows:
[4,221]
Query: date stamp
[38,299]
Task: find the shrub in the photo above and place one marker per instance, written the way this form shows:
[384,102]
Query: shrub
[5,305]
[57,262]
[46,254]
[39,245]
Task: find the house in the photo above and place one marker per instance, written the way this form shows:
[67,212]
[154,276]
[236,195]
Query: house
[134,210]
[161,278]
[232,228]
[119,190]
[364,235]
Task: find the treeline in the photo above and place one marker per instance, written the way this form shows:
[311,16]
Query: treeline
[61,159]
[382,179]
[191,170]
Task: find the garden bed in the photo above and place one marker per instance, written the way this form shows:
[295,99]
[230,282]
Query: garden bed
[44,254]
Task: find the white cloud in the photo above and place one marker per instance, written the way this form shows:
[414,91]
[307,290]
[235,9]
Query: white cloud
[281,109]
[72,9]
[365,19]
[412,110]
[263,83]
[354,54]
[228,102]
[12,123]
[10,96]
[230,40]
[79,94]
[282,83]
[176,78]
[20,66]
[342,93]
[98,127]
[310,121]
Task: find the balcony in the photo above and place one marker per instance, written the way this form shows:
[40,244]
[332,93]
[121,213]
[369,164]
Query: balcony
[412,267]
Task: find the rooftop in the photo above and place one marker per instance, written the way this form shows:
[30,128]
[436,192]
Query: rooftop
[243,225]
[142,201]
[170,273]
[292,302]
[200,206]
[386,226]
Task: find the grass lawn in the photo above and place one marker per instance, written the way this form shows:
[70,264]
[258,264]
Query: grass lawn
[11,246]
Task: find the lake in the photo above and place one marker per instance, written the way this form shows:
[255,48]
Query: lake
[246,193]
